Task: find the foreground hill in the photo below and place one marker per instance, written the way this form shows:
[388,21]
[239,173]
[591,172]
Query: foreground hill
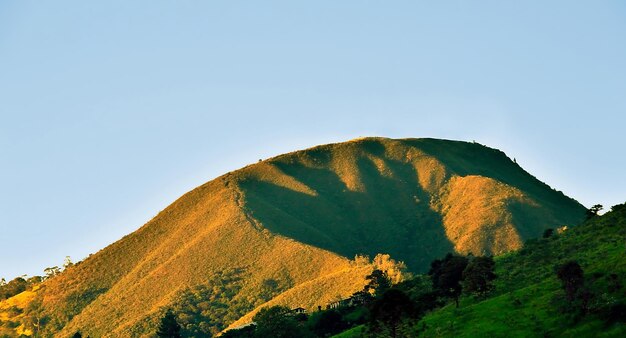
[529,299]
[274,228]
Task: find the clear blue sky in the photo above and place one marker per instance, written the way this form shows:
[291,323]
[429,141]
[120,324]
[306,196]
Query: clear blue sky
[109,111]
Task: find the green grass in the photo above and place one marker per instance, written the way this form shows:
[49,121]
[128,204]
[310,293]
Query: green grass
[528,301]
[354,332]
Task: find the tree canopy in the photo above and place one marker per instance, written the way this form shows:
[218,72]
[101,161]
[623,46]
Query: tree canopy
[447,275]
[169,327]
[572,278]
[479,275]
[277,321]
[378,282]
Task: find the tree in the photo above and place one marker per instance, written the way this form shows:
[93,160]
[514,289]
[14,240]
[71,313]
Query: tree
[67,262]
[276,321]
[34,280]
[390,310]
[447,275]
[594,210]
[396,271]
[572,278]
[479,275]
[51,272]
[378,282]
[548,233]
[328,323]
[420,291]
[169,327]
[361,298]
[13,287]
[35,316]
[77,335]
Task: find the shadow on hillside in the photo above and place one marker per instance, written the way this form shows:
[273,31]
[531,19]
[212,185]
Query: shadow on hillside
[530,220]
[392,215]
[464,158]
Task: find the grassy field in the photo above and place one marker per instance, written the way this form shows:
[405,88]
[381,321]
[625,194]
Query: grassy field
[356,331]
[529,299]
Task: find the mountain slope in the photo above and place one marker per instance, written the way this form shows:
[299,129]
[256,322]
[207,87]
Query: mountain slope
[529,300]
[414,199]
[272,227]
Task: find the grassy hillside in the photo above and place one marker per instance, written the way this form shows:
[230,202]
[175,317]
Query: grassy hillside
[415,199]
[199,237]
[268,231]
[12,310]
[529,298]
[314,293]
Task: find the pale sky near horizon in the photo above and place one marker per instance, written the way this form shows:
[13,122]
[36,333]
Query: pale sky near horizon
[110,111]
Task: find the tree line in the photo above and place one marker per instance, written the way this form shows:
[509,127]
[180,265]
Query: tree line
[23,283]
[382,307]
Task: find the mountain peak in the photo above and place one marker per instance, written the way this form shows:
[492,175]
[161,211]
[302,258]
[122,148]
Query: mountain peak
[287,229]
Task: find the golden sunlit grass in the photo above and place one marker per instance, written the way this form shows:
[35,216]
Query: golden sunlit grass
[415,199]
[296,217]
[12,310]
[332,287]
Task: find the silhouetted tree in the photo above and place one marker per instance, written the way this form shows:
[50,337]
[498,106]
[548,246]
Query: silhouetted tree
[447,275]
[427,302]
[548,233]
[479,275]
[420,290]
[572,278]
[378,283]
[362,297]
[77,335]
[277,321]
[169,327]
[389,310]
[594,210]
[615,313]
[328,323]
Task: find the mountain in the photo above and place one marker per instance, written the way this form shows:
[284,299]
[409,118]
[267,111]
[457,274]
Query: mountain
[285,230]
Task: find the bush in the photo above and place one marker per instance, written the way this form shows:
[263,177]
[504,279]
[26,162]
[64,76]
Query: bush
[12,288]
[614,313]
[572,278]
[327,323]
